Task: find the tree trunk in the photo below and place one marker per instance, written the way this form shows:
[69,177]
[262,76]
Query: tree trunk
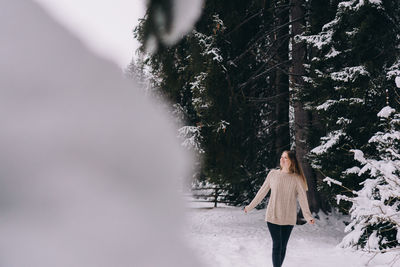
[302,117]
[281,79]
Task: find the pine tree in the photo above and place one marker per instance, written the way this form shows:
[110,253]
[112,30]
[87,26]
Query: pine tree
[213,77]
[375,217]
[346,85]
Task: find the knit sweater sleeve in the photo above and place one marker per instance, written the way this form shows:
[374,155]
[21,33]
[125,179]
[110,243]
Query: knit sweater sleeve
[302,197]
[262,192]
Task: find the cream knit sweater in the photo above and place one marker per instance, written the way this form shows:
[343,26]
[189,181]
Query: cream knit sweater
[282,206]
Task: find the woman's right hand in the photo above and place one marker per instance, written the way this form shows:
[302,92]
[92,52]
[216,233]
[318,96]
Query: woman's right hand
[245,210]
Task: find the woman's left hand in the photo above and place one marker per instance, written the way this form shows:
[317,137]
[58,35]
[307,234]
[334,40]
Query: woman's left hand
[312,221]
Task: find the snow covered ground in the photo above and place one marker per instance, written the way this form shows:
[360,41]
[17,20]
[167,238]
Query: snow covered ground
[226,236]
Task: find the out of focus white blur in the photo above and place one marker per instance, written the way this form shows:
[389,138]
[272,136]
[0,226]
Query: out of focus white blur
[89,168]
[103,25]
[185,14]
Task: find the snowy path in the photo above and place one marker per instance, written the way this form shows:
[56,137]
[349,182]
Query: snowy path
[226,236]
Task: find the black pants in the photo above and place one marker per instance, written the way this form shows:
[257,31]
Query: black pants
[280,236]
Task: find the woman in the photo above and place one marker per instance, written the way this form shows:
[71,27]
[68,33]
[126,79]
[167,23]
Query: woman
[286,184]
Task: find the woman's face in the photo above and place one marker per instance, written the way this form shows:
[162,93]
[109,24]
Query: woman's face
[285,161]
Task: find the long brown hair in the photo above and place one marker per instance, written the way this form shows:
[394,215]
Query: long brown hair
[295,167]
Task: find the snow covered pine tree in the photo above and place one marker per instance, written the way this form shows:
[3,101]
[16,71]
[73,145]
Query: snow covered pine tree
[345,85]
[348,75]
[375,216]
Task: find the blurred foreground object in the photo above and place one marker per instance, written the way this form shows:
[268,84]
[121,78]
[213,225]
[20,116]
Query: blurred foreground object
[89,168]
[169,21]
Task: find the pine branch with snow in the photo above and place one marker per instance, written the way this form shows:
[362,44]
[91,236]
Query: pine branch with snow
[200,99]
[191,138]
[208,42]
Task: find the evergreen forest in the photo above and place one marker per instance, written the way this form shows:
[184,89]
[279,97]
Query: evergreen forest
[254,78]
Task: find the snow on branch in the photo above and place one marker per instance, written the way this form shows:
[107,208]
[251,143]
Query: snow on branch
[355,5]
[222,126]
[394,72]
[330,181]
[191,136]
[332,53]
[319,40]
[385,112]
[328,141]
[330,102]
[327,104]
[200,100]
[207,43]
[359,156]
[349,74]
[352,170]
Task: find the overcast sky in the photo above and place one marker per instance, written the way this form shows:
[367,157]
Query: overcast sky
[105,26]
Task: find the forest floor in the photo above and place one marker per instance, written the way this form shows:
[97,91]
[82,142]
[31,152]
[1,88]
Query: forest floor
[226,236]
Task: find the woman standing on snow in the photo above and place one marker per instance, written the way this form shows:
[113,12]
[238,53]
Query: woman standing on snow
[286,184]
